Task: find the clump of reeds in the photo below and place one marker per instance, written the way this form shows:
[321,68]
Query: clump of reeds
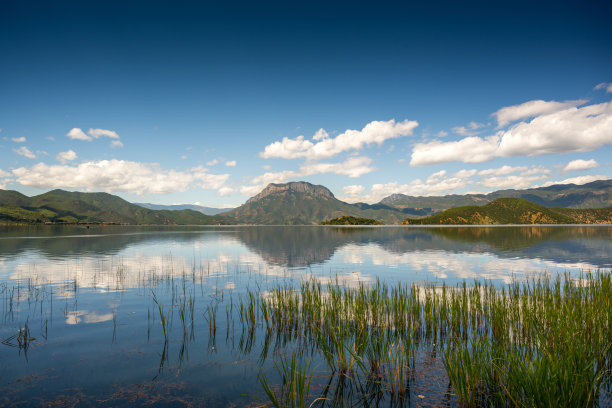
[295,380]
[541,342]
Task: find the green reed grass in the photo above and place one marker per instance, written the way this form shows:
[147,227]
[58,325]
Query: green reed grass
[541,342]
[295,380]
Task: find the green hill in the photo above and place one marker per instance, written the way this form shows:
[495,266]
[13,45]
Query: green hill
[514,211]
[71,207]
[597,194]
[301,203]
[349,220]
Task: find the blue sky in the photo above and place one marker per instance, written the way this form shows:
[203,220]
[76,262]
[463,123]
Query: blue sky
[171,102]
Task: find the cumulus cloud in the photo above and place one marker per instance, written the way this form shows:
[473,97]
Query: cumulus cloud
[103,132]
[465,173]
[469,130]
[502,171]
[21,139]
[65,157]
[118,176]
[25,152]
[513,181]
[604,85]
[531,109]
[581,165]
[212,162]
[353,190]
[231,163]
[78,134]
[352,167]
[116,143]
[577,180]
[440,183]
[225,191]
[563,131]
[4,173]
[376,132]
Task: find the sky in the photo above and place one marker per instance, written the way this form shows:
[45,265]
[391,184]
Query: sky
[208,102]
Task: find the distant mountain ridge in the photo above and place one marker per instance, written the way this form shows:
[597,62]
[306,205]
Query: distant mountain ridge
[515,211]
[174,207]
[596,194]
[72,207]
[294,203]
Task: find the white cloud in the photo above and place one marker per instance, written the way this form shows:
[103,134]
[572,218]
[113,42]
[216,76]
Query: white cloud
[439,183]
[118,176]
[78,134]
[24,151]
[4,173]
[352,167]
[103,132]
[65,157]
[530,109]
[320,135]
[442,133]
[470,150]
[514,181]
[469,130]
[212,162]
[353,190]
[231,163]
[225,191]
[565,131]
[577,180]
[604,85]
[581,165]
[465,173]
[116,143]
[21,139]
[324,147]
[502,171]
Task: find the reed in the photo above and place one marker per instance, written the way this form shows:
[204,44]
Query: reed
[295,380]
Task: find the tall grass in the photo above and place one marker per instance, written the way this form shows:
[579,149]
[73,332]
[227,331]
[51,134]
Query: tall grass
[538,343]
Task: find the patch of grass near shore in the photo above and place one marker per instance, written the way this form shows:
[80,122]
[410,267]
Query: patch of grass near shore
[538,343]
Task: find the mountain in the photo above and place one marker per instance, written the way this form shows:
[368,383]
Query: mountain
[597,194]
[299,202]
[65,206]
[515,211]
[194,207]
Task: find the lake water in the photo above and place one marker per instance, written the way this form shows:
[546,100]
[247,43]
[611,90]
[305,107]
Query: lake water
[91,299]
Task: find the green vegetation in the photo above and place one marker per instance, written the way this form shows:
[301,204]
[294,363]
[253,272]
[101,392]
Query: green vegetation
[515,211]
[349,220]
[539,343]
[60,206]
[597,194]
[301,203]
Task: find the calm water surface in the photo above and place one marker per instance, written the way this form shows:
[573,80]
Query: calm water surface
[88,298]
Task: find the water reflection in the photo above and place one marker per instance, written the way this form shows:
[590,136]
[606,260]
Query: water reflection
[87,297]
[114,258]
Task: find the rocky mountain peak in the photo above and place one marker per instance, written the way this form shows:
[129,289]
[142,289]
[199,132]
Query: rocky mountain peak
[295,186]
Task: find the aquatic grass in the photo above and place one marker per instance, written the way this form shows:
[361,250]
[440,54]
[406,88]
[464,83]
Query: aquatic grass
[295,382]
[531,343]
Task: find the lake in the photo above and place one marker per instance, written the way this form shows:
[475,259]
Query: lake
[124,316]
